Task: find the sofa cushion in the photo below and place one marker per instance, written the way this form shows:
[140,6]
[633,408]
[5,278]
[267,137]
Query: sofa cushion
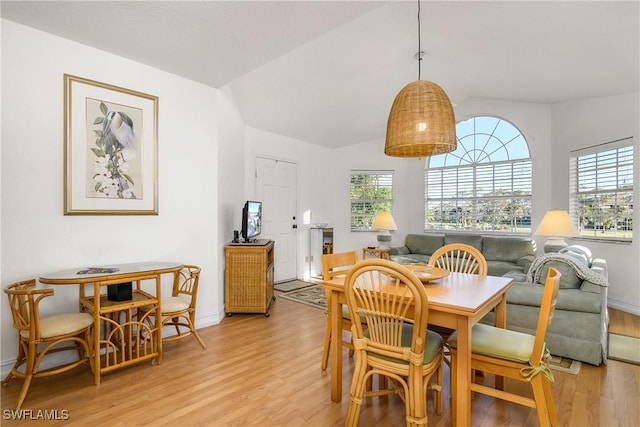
[424,244]
[530,294]
[499,268]
[469,239]
[505,248]
[569,278]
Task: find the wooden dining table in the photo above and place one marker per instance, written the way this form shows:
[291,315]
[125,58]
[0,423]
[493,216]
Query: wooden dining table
[105,311]
[457,301]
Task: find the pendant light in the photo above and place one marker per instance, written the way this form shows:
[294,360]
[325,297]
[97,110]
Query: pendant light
[421,121]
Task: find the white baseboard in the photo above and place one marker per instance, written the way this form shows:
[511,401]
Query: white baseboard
[624,306]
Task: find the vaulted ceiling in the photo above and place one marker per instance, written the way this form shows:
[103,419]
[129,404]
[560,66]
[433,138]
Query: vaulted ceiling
[326,72]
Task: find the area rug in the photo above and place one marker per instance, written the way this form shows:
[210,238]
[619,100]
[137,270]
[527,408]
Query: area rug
[291,285]
[624,348]
[563,364]
[313,296]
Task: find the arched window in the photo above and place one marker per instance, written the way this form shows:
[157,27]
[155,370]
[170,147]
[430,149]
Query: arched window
[485,184]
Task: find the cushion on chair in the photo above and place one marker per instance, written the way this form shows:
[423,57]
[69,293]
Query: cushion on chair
[173,304]
[62,324]
[432,347]
[498,342]
[347,315]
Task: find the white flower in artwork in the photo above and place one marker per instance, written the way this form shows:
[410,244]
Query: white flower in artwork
[109,187]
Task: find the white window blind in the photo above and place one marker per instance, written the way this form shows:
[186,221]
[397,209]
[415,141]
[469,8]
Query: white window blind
[371,191]
[485,184]
[602,190]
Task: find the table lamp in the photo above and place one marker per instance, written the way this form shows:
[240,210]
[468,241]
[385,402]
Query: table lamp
[384,222]
[556,224]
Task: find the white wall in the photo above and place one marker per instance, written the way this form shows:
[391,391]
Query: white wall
[584,123]
[231,176]
[314,175]
[37,238]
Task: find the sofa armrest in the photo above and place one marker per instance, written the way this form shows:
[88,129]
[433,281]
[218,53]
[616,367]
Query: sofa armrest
[599,265]
[525,262]
[400,250]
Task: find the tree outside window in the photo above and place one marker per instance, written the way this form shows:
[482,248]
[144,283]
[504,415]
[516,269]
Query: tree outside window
[371,191]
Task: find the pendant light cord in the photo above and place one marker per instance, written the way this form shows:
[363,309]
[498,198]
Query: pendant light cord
[419,36]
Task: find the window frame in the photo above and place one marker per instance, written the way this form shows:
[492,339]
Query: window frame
[477,164]
[371,205]
[623,148]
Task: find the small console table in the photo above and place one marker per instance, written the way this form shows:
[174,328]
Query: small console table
[375,252]
[118,344]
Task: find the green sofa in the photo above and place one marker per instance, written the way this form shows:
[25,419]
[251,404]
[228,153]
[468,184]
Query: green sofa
[580,323]
[503,254]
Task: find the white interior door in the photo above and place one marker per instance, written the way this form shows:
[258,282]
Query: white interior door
[276,187]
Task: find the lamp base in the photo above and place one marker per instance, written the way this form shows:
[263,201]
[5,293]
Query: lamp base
[554,244]
[384,240]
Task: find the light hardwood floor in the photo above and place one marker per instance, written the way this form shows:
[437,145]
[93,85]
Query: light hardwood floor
[260,371]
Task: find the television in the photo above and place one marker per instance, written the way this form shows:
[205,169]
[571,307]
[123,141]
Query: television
[251,220]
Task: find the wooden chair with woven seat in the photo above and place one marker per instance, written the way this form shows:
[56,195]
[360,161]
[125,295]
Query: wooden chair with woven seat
[179,310]
[334,265]
[459,258]
[516,355]
[40,336]
[396,343]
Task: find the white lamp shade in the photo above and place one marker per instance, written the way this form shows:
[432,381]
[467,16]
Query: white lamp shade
[556,223]
[384,221]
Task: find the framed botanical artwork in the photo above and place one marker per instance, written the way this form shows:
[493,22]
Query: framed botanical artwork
[110,149]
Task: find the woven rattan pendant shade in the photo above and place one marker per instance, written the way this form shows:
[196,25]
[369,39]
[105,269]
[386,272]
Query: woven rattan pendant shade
[421,122]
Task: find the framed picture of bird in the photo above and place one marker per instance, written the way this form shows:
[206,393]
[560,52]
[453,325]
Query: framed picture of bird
[110,149]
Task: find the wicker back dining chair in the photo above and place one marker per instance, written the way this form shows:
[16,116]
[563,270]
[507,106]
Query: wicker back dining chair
[516,355]
[334,265]
[396,343]
[179,310]
[459,258]
[39,336]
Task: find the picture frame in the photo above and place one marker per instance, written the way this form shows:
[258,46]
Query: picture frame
[110,149]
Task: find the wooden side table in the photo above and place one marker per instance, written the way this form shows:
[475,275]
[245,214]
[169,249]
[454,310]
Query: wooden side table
[382,253]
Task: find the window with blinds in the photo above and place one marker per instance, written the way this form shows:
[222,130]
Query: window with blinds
[371,191]
[602,190]
[485,184]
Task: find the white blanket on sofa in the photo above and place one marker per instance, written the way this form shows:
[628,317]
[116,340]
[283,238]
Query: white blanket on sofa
[581,269]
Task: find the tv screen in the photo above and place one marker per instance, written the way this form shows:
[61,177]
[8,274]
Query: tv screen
[251,220]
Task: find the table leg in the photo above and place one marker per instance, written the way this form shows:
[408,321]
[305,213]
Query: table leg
[461,410]
[501,322]
[96,333]
[336,348]
[159,318]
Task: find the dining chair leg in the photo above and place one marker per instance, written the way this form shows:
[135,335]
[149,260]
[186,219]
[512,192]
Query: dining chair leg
[548,395]
[356,394]
[195,333]
[327,345]
[541,402]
